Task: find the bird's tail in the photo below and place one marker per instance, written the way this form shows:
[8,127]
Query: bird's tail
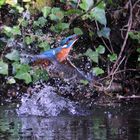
[34,60]
[27,58]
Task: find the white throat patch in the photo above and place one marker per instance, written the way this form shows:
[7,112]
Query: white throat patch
[64,46]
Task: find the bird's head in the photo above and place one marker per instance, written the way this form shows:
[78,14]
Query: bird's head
[69,41]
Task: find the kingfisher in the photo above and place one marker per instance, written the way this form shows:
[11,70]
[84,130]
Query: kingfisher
[52,60]
[58,54]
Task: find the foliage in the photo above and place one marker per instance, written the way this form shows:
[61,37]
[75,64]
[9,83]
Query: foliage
[3,68]
[112,57]
[135,36]
[94,55]
[14,55]
[35,30]
[98,71]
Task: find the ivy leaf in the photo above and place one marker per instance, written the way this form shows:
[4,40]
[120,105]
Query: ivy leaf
[14,55]
[24,23]
[60,27]
[98,71]
[16,30]
[41,21]
[101,5]
[29,40]
[100,49]
[56,14]
[99,15]
[78,31]
[20,9]
[46,11]
[44,45]
[11,2]
[22,72]
[139,58]
[11,80]
[135,36]
[3,68]
[20,67]
[72,11]
[85,82]
[112,57]
[93,55]
[138,50]
[2,2]
[86,4]
[24,76]
[105,32]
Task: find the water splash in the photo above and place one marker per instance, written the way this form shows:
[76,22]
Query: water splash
[46,103]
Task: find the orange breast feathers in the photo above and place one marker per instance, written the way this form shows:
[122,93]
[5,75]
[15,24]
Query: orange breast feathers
[63,54]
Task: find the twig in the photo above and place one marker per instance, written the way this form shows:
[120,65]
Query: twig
[127,70]
[128,97]
[125,40]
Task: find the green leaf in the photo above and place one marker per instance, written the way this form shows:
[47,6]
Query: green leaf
[86,4]
[24,76]
[139,58]
[22,72]
[112,57]
[72,11]
[9,31]
[56,14]
[101,5]
[60,27]
[20,67]
[20,9]
[46,11]
[105,32]
[100,49]
[40,74]
[16,30]
[2,2]
[24,23]
[138,50]
[99,15]
[85,82]
[3,68]
[98,71]
[14,55]
[135,36]
[78,31]
[11,80]
[41,21]
[44,45]
[29,40]
[93,55]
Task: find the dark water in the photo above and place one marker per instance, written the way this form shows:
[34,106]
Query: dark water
[105,123]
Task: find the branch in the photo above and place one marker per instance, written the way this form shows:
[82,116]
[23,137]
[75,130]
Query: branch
[125,40]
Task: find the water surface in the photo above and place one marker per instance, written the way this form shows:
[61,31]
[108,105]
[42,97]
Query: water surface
[104,123]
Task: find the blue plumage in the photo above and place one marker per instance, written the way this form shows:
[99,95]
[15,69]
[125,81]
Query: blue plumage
[51,54]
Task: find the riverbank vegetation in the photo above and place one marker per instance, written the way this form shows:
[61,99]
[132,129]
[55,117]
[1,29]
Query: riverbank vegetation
[109,43]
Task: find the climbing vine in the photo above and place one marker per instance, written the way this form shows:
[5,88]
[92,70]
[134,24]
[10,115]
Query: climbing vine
[31,29]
